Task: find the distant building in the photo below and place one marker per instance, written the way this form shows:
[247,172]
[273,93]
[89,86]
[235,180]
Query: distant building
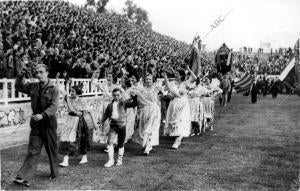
[265,46]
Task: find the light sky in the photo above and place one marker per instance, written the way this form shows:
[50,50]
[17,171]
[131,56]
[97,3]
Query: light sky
[249,22]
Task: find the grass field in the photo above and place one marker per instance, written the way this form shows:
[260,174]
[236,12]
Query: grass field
[253,147]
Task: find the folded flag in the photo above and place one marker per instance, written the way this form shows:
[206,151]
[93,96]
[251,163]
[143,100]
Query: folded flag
[195,61]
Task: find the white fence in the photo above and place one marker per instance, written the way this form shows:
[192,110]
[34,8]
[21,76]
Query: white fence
[8,93]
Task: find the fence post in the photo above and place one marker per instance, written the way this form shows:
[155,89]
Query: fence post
[5,91]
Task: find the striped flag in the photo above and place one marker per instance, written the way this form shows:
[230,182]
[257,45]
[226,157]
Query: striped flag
[244,84]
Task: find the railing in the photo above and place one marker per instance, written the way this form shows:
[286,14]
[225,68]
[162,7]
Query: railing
[8,93]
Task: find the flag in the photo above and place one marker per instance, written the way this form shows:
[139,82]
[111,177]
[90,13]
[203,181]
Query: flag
[244,84]
[288,75]
[195,61]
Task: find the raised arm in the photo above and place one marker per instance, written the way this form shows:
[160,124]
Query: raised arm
[21,86]
[131,102]
[169,86]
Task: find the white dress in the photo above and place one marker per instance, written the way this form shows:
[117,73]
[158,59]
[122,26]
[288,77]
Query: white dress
[130,118]
[100,135]
[178,121]
[196,105]
[148,116]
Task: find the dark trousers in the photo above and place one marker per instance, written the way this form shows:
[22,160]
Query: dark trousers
[229,95]
[83,136]
[39,136]
[120,131]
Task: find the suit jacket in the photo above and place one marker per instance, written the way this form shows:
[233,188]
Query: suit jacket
[122,107]
[49,100]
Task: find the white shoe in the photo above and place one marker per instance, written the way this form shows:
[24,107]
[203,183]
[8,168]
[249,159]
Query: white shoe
[120,156]
[109,164]
[147,150]
[119,162]
[176,144]
[83,160]
[64,164]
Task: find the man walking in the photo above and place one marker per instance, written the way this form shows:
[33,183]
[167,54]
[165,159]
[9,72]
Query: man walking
[44,102]
[225,86]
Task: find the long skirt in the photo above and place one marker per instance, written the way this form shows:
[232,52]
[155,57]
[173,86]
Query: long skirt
[208,111]
[147,132]
[100,135]
[196,108]
[130,122]
[74,138]
[178,121]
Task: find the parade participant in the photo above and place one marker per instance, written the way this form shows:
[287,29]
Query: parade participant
[148,115]
[253,91]
[196,105]
[105,100]
[208,102]
[127,85]
[231,88]
[225,86]
[178,121]
[75,133]
[135,81]
[44,103]
[116,113]
[274,88]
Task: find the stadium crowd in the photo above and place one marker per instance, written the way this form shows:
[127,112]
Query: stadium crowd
[34,32]
[272,65]
[76,41]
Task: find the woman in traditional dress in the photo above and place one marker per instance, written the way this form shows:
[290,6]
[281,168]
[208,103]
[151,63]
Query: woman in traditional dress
[74,136]
[178,122]
[148,122]
[127,85]
[102,133]
[208,102]
[197,110]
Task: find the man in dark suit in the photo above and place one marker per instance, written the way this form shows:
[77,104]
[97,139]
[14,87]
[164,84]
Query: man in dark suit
[44,103]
